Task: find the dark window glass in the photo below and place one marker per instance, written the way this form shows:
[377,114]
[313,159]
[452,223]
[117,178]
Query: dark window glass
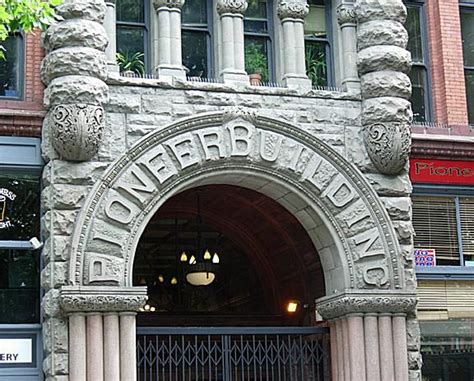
[19,206]
[131,11]
[196,38]
[256,56]
[316,43]
[11,69]
[257,9]
[419,73]
[470,94]
[130,40]
[19,286]
[467,29]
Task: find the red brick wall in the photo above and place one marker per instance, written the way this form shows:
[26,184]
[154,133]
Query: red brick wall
[25,117]
[447,69]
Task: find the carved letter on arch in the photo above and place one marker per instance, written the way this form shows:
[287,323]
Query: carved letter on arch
[306,165]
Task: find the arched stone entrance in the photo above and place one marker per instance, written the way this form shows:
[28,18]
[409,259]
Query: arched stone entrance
[365,283]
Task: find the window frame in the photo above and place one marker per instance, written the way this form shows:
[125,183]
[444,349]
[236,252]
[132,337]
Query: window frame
[425,64]
[210,38]
[328,42]
[467,6]
[21,71]
[146,26]
[459,272]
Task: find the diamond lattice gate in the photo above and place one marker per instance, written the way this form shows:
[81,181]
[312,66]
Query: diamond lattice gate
[250,354]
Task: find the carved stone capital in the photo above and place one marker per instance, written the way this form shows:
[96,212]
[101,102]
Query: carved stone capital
[76,130]
[231,6]
[168,4]
[388,145]
[296,9]
[346,14]
[350,302]
[102,299]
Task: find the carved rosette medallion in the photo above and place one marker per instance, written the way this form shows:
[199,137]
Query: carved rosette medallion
[344,304]
[388,146]
[346,14]
[76,130]
[94,299]
[178,4]
[296,9]
[231,6]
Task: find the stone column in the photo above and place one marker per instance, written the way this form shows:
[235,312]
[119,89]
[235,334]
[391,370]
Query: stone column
[370,333]
[168,47]
[347,22]
[102,333]
[74,71]
[231,15]
[292,14]
[383,64]
[109,25]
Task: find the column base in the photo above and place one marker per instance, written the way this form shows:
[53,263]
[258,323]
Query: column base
[351,84]
[300,82]
[235,77]
[112,67]
[168,73]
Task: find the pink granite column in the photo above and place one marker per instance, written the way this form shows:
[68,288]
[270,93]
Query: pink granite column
[128,357]
[95,347]
[400,352]
[355,325]
[77,347]
[111,347]
[346,350]
[340,350]
[334,360]
[372,359]
[386,347]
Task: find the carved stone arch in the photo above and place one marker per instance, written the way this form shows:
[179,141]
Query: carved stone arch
[329,196]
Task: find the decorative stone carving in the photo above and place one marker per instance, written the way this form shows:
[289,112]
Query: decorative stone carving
[249,115]
[76,130]
[231,6]
[388,145]
[345,303]
[297,9]
[168,3]
[102,299]
[346,14]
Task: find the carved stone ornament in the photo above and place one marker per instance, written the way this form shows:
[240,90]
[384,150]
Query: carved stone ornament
[346,303]
[102,299]
[388,145]
[250,115]
[168,4]
[76,130]
[231,6]
[297,9]
[346,14]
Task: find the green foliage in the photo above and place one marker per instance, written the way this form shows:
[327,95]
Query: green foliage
[256,61]
[24,15]
[316,67]
[131,62]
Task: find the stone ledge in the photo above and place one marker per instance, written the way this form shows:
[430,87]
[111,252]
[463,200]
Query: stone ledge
[366,301]
[102,299]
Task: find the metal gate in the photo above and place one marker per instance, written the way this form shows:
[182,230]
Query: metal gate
[231,354]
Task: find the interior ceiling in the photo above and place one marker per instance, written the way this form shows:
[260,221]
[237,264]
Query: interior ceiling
[237,219]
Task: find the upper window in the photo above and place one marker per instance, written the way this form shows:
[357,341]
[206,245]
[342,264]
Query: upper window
[467,30]
[317,45]
[416,28]
[11,69]
[445,224]
[132,35]
[258,39]
[196,38]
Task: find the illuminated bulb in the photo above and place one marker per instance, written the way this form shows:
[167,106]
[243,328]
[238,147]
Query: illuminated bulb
[192,260]
[184,257]
[152,309]
[142,281]
[291,307]
[215,258]
[161,278]
[207,255]
[147,307]
[174,280]
[141,309]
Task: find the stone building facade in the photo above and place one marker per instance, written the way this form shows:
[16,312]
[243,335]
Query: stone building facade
[117,148]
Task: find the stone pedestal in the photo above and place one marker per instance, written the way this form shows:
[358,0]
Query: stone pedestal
[369,332]
[102,332]
[168,47]
[292,14]
[231,14]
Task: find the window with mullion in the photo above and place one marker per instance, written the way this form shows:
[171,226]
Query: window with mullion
[317,47]
[467,31]
[416,27]
[132,35]
[196,38]
[11,68]
[258,39]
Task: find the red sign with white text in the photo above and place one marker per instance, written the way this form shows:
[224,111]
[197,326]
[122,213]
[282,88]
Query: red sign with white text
[442,171]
